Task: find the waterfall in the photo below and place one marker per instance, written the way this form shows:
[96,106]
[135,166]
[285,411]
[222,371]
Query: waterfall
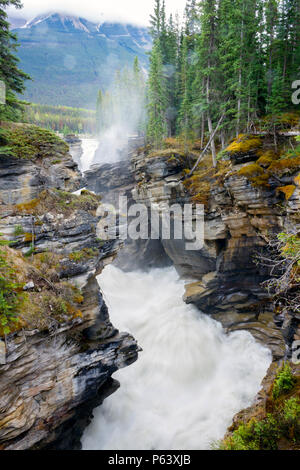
[89,147]
[191,377]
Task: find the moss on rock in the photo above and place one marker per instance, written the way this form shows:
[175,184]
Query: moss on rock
[31,142]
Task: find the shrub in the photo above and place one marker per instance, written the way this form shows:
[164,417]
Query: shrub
[10,298]
[284,381]
[18,231]
[31,142]
[291,410]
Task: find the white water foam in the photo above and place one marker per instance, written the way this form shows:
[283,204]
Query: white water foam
[190,379]
[89,147]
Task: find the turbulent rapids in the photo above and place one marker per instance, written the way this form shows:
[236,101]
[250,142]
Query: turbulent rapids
[190,379]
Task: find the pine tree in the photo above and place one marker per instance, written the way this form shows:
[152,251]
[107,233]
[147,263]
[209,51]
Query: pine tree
[10,74]
[205,90]
[236,58]
[157,128]
[155,21]
[271,15]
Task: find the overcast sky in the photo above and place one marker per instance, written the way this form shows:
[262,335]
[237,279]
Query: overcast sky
[132,11]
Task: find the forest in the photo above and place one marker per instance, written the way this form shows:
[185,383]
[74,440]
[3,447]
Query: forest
[231,63]
[61,119]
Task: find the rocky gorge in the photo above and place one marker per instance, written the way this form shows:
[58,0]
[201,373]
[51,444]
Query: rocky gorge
[239,218]
[250,197]
[58,359]
[58,362]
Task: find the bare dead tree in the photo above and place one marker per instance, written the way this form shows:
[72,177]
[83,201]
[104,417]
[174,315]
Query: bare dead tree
[282,259]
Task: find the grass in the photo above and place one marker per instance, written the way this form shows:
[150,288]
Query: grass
[83,255]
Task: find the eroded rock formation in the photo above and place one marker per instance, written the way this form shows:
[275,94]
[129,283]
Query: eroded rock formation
[57,362]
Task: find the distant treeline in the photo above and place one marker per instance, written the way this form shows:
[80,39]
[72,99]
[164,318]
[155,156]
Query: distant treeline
[62,118]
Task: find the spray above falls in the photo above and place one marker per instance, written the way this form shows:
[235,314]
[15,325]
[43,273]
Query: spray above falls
[120,114]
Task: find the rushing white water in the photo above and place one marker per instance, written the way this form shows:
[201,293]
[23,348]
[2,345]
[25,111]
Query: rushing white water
[89,147]
[190,379]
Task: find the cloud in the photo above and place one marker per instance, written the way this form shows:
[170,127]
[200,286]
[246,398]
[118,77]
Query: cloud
[131,11]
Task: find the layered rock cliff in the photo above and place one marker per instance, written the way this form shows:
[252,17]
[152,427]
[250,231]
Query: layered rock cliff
[245,203]
[60,349]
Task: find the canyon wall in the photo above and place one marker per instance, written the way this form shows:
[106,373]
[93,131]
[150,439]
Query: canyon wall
[57,361]
[240,217]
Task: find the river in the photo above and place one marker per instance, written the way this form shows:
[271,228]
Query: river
[190,379]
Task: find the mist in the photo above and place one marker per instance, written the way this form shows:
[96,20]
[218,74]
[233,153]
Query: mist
[121,113]
[132,11]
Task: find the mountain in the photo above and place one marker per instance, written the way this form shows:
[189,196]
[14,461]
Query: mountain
[70,58]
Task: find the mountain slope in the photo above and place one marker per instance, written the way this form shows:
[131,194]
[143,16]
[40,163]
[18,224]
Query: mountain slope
[70,58]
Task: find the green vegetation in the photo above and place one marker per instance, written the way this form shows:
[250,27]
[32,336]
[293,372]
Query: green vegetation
[29,142]
[18,231]
[278,428]
[234,60]
[10,288]
[284,381]
[49,303]
[10,74]
[58,201]
[61,119]
[272,161]
[284,262]
[83,255]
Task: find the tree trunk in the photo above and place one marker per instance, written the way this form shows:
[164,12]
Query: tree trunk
[210,126]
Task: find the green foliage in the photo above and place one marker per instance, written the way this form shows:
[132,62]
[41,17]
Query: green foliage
[235,57]
[31,251]
[10,298]
[30,142]
[61,118]
[264,434]
[85,254]
[157,104]
[291,411]
[18,231]
[12,76]
[290,245]
[284,381]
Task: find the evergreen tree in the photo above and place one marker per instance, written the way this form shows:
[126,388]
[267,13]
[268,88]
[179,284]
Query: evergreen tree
[10,74]
[155,21]
[232,58]
[205,89]
[157,128]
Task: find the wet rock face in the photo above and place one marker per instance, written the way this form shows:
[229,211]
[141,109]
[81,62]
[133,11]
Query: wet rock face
[22,180]
[238,219]
[46,377]
[75,148]
[112,181]
[51,380]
